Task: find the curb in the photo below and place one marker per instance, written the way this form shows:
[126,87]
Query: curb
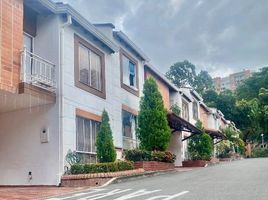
[139,176]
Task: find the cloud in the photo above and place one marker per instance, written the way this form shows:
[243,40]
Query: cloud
[218,36]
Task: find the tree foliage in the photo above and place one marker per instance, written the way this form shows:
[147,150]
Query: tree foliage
[153,130]
[225,102]
[200,146]
[251,86]
[105,147]
[184,74]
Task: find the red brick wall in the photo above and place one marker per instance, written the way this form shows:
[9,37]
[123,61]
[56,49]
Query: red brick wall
[153,165]
[162,87]
[203,117]
[11,42]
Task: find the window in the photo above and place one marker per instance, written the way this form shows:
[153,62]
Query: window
[129,125]
[86,132]
[129,72]
[129,122]
[185,110]
[28,42]
[89,68]
[195,110]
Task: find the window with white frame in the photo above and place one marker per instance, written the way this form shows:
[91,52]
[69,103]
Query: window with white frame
[28,42]
[185,110]
[129,122]
[86,133]
[129,68]
[90,68]
[195,110]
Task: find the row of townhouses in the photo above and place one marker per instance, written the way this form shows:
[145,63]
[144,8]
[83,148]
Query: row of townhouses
[58,72]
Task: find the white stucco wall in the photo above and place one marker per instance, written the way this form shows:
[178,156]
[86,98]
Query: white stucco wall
[74,97]
[21,150]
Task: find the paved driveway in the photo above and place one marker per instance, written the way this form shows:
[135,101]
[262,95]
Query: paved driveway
[245,179]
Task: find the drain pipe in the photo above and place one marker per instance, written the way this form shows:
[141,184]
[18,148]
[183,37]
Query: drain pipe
[61,93]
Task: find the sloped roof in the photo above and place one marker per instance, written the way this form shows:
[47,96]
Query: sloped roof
[61,8]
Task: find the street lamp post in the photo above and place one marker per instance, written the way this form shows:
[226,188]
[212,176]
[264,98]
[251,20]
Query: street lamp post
[262,140]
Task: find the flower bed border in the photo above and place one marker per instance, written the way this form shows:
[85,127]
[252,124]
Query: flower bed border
[194,163]
[153,165]
[95,179]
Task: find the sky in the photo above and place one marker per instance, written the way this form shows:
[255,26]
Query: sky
[220,36]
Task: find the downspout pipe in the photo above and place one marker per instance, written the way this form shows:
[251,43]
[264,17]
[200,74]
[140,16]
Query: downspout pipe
[61,93]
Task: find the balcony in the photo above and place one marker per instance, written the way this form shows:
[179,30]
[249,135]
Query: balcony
[37,86]
[129,143]
[37,71]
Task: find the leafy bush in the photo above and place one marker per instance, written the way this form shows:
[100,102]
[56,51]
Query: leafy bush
[105,147]
[101,167]
[259,152]
[200,146]
[72,157]
[137,155]
[176,109]
[224,149]
[143,155]
[153,131]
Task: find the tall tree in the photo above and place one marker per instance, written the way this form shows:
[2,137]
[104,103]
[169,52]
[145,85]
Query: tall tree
[105,146]
[182,74]
[203,82]
[249,89]
[153,130]
[210,98]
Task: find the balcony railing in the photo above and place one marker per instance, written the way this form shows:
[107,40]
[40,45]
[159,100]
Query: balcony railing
[129,143]
[37,71]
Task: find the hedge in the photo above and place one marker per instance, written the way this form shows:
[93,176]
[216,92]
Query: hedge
[259,152]
[142,155]
[101,167]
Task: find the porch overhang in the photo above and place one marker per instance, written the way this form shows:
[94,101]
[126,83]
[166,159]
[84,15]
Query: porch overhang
[216,134]
[176,123]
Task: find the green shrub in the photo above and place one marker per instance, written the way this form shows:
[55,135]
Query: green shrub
[224,149]
[143,155]
[137,155]
[105,147]
[200,146]
[102,167]
[77,169]
[153,131]
[260,152]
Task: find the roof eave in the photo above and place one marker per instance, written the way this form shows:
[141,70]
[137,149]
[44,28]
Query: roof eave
[67,9]
[123,37]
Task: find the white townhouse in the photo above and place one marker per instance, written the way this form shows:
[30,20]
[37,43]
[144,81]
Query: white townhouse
[69,71]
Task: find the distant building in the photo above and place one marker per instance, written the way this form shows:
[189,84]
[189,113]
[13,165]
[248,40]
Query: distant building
[230,82]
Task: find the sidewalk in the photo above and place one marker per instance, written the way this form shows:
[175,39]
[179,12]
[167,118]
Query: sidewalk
[33,192]
[38,192]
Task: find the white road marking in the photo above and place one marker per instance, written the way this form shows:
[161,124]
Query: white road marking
[136,194]
[78,194]
[168,197]
[94,194]
[102,195]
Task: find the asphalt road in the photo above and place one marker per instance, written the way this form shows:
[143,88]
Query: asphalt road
[238,180]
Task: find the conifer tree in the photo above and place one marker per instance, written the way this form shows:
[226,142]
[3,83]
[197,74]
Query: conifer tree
[105,147]
[153,130]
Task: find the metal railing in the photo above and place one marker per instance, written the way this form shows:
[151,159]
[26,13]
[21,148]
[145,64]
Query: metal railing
[129,143]
[37,71]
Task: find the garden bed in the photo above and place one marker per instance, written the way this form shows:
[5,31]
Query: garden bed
[194,163]
[95,179]
[153,165]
